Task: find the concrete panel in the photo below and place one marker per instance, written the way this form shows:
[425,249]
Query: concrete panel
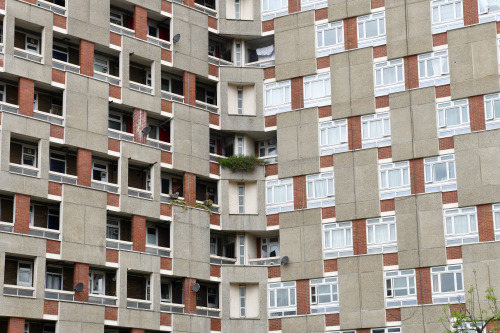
[301,324]
[341,9]
[89,20]
[139,318]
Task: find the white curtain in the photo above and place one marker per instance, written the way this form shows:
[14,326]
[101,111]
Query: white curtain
[320,188]
[279,194]
[453,116]
[376,129]
[440,172]
[282,295]
[333,135]
[461,224]
[493,5]
[389,75]
[338,238]
[381,233]
[266,52]
[447,12]
[394,178]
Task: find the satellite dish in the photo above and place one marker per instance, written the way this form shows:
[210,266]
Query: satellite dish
[79,287]
[176,38]
[196,287]
[146,130]
[285,260]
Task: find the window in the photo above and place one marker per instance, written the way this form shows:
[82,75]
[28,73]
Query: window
[57,163]
[148,290]
[32,215]
[381,235]
[165,84]
[394,180]
[376,130]
[400,288]
[279,195]
[329,38]
[100,172]
[60,53]
[25,274]
[277,97]
[116,18]
[333,137]
[2,93]
[324,295]
[320,190]
[337,239]
[389,77]
[237,53]
[239,145]
[488,6]
[371,29]
[53,219]
[29,156]
[53,278]
[243,292]
[277,7]
[268,147]
[33,44]
[212,298]
[492,111]
[96,283]
[151,236]
[433,69]
[460,226]
[237,12]
[440,173]
[270,247]
[101,65]
[241,199]
[317,90]
[386,330]
[453,118]
[116,121]
[282,300]
[242,249]
[496,218]
[165,294]
[152,29]
[240,100]
[447,283]
[149,81]
[112,229]
[446,15]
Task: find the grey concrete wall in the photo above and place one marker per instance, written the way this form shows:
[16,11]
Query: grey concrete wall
[185,323]
[89,20]
[416,319]
[341,9]
[313,324]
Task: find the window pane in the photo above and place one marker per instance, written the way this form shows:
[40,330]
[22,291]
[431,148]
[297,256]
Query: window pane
[447,282]
[440,172]
[282,295]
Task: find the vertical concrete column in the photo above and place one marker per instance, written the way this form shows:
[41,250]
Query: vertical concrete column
[417,176]
[303,300]
[354,132]
[189,188]
[86,58]
[188,295]
[84,166]
[81,275]
[16,325]
[359,236]
[22,214]
[297,84]
[424,291]
[351,33]
[139,233]
[476,111]
[189,85]
[299,192]
[471,12]
[141,22]
[26,93]
[411,72]
[140,122]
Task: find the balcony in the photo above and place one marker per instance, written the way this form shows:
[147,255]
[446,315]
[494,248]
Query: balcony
[103,300]
[65,66]
[164,44]
[171,307]
[121,30]
[272,261]
[107,78]
[105,186]
[158,250]
[20,291]
[119,244]
[59,295]
[119,135]
[24,54]
[169,96]
[141,88]
[58,9]
[217,260]
[207,106]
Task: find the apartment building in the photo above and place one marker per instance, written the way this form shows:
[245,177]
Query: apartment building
[378,120]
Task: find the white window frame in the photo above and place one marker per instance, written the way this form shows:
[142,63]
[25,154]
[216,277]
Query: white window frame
[375,245]
[32,215]
[336,129]
[272,206]
[243,301]
[169,286]
[58,157]
[241,198]
[266,244]
[268,145]
[496,220]
[438,296]
[116,117]
[29,155]
[379,38]
[410,299]
[284,88]
[386,330]
[92,288]
[285,310]
[156,231]
[35,47]
[463,127]
[238,52]
[385,88]
[485,14]
[269,13]
[312,4]
[60,275]
[240,146]
[239,100]
[61,50]
[438,25]
[153,25]
[369,139]
[115,225]
[26,263]
[448,184]
[322,49]
[492,110]
[331,250]
[102,65]
[309,88]
[454,238]
[237,9]
[313,199]
[324,307]
[425,79]
[3,93]
[116,18]
[388,192]
[241,249]
[98,168]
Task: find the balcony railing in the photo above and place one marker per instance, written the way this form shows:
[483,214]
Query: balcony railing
[138,304]
[172,97]
[158,250]
[6,227]
[107,78]
[270,14]
[45,116]
[219,62]
[12,108]
[108,187]
[23,169]
[164,44]
[206,106]
[222,260]
[61,295]
[13,290]
[171,307]
[119,135]
[206,10]
[65,66]
[44,232]
[159,144]
[118,244]
[27,55]
[121,30]
[140,193]
[52,7]
[265,261]
[261,63]
[103,299]
[209,312]
[140,87]
[63,178]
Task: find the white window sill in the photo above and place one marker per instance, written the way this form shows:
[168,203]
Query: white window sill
[338,252]
[395,192]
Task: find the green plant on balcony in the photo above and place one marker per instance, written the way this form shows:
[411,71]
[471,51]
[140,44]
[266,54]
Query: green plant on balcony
[175,200]
[205,205]
[241,163]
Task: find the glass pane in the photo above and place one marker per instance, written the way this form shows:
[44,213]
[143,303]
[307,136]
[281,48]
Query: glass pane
[440,173]
[282,295]
[447,282]
[371,29]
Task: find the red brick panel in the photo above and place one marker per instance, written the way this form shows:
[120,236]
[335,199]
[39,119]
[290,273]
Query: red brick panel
[293,6]
[212,23]
[323,62]
[2,4]
[326,161]
[166,263]
[299,192]
[189,186]
[165,209]
[58,76]
[440,39]
[354,132]
[328,212]
[189,83]
[166,106]
[59,21]
[111,313]
[493,326]
[137,330]
[273,219]
[268,26]
[330,265]
[56,131]
[26,92]
[113,200]
[443,91]
[22,214]
[321,14]
[417,176]
[51,307]
[273,272]
[271,169]
[141,22]
[213,70]
[214,168]
[384,152]
[215,270]
[411,72]
[350,33]
[454,252]
[380,51]
[387,205]
[214,119]
[359,236]
[424,289]
[215,219]
[471,12]
[189,296]
[165,319]
[115,92]
[392,315]
[485,223]
[55,189]
[166,6]
[270,121]
[86,58]
[324,111]
[446,143]
[297,84]
[112,255]
[16,325]
[166,55]
[303,301]
[269,72]
[139,233]
[449,197]
[476,111]
[378,3]
[53,246]
[215,324]
[114,145]
[390,259]
[84,166]
[140,122]
[332,319]
[382,102]
[275,324]
[81,275]
[31,1]
[166,157]
[115,39]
